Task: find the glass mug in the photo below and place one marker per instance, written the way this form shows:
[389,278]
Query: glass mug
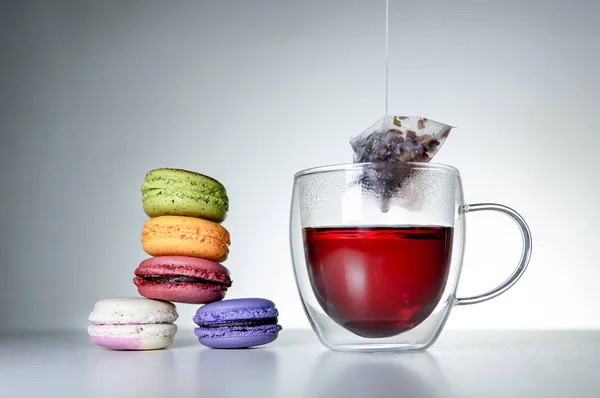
[377,251]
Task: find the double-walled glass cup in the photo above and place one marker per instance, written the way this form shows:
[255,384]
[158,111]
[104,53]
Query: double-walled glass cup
[377,251]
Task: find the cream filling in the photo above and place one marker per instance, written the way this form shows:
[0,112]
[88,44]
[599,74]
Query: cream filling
[142,331]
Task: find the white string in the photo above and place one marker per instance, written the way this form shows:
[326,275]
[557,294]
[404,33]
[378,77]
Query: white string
[387,6]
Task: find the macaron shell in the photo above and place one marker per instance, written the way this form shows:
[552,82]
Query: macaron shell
[132,310]
[235,310]
[184,193]
[235,315]
[189,293]
[184,266]
[237,337]
[133,336]
[185,236]
[123,343]
[237,342]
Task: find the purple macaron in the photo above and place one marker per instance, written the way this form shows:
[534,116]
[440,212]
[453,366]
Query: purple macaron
[237,323]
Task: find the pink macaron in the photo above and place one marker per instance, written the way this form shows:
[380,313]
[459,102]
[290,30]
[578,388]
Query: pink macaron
[182,279]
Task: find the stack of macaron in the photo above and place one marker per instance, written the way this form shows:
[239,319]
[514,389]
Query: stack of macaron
[185,237]
[187,243]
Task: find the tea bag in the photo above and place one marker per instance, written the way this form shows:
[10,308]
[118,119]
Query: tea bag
[396,139]
[400,139]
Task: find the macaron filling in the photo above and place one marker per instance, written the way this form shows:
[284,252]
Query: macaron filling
[183,279]
[240,323]
[242,331]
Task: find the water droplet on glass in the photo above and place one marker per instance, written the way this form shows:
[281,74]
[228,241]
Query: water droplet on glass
[385,205]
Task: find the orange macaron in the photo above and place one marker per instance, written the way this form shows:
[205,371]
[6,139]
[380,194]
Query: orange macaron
[185,236]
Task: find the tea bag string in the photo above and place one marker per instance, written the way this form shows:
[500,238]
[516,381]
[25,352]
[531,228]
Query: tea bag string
[387,19]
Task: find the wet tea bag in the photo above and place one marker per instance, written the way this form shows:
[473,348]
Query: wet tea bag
[396,139]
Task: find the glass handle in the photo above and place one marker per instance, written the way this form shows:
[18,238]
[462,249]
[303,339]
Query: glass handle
[523,262]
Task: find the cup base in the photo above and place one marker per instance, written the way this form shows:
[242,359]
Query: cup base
[376,348]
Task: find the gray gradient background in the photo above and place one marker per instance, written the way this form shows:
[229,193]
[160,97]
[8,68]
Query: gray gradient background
[95,94]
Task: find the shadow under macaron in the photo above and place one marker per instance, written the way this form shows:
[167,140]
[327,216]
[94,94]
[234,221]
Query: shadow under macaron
[157,366]
[185,339]
[295,338]
[257,367]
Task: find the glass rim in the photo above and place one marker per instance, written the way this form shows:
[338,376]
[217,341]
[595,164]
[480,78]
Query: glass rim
[359,166]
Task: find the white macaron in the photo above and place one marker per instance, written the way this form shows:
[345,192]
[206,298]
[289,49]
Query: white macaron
[133,323]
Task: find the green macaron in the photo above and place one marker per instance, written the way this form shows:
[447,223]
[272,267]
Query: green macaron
[175,192]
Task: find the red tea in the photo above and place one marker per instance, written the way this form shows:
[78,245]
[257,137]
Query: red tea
[378,281]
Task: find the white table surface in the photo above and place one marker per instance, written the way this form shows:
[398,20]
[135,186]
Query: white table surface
[461,364]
